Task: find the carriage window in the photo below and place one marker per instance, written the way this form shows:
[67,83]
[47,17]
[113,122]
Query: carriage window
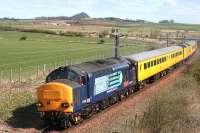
[172,55]
[145,65]
[154,62]
[158,61]
[148,64]
[151,63]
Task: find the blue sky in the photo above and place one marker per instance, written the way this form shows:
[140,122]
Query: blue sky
[185,11]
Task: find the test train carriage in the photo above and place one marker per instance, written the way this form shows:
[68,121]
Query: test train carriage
[73,93]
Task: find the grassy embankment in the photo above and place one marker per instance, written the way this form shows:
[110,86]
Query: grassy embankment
[157,27]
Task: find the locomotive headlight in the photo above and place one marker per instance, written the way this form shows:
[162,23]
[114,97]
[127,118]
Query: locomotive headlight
[65,105]
[39,104]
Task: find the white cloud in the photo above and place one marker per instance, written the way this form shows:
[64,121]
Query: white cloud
[172,2]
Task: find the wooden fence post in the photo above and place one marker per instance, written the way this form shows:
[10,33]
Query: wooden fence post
[20,76]
[37,71]
[70,62]
[49,67]
[1,78]
[11,75]
[54,65]
[65,61]
[44,69]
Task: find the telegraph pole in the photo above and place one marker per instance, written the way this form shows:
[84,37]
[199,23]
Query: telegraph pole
[116,47]
[167,39]
[183,38]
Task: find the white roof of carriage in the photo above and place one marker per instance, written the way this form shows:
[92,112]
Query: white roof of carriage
[153,53]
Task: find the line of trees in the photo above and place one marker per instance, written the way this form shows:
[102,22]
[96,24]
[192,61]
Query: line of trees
[166,21]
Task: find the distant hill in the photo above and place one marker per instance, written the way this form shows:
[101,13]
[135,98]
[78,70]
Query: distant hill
[78,16]
[85,16]
[123,20]
[81,15]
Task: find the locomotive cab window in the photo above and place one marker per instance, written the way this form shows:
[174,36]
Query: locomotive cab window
[60,73]
[64,73]
[71,75]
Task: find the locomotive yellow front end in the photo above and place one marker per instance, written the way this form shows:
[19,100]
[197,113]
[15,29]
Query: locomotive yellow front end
[55,97]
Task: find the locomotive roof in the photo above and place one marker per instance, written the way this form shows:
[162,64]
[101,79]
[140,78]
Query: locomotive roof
[150,54]
[98,65]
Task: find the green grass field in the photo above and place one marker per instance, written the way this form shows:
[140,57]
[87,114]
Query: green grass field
[157,27]
[45,49]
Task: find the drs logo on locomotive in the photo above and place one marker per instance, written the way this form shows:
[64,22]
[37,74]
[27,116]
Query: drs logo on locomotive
[108,83]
